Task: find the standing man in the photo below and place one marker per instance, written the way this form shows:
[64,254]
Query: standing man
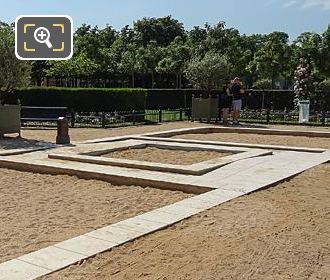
[226,101]
[237,92]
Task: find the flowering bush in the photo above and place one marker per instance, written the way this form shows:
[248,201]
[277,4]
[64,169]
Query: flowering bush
[303,81]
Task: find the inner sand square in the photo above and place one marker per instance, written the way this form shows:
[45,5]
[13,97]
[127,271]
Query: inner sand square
[166,156]
[39,210]
[281,140]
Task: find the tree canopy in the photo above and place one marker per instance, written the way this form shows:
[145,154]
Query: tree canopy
[14,73]
[156,52]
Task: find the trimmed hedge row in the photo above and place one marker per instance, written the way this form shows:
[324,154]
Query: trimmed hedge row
[81,99]
[163,99]
[109,100]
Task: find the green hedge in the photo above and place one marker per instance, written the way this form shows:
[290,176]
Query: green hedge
[109,100]
[81,99]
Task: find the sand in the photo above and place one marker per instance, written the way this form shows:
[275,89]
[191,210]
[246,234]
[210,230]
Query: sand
[166,156]
[82,134]
[297,141]
[37,210]
[279,233]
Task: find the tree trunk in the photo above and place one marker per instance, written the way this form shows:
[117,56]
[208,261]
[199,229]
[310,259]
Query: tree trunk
[152,79]
[133,80]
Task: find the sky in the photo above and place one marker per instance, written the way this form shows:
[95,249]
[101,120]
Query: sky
[248,16]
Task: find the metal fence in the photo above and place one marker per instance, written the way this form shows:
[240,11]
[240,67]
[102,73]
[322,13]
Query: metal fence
[121,119]
[118,119]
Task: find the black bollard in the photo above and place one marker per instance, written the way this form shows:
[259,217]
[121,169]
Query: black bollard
[62,131]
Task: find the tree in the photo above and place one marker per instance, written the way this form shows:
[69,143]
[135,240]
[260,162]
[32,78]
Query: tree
[174,61]
[73,69]
[147,59]
[160,30]
[14,73]
[325,54]
[128,64]
[271,60]
[205,73]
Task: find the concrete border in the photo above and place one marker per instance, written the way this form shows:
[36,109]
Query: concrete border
[217,129]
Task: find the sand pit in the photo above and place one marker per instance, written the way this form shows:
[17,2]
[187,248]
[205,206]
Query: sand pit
[278,233]
[167,156]
[37,210]
[282,140]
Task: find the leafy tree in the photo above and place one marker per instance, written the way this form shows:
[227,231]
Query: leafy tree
[325,53]
[78,66]
[208,72]
[14,72]
[272,58]
[160,30]
[128,64]
[176,56]
[148,58]
[86,40]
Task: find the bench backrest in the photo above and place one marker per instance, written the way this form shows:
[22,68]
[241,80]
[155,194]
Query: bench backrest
[43,112]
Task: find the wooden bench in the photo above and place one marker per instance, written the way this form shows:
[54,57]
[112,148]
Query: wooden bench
[42,114]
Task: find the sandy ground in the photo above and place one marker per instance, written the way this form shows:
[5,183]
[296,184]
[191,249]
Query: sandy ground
[279,233]
[37,210]
[166,156]
[297,141]
[82,134]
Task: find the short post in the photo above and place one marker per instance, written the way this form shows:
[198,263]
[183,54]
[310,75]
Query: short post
[323,117]
[133,115]
[73,115]
[160,116]
[103,120]
[181,114]
[62,131]
[268,116]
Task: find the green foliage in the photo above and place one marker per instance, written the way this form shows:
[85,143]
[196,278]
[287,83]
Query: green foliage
[79,65]
[176,56]
[325,85]
[324,66]
[83,99]
[208,72]
[272,58]
[159,49]
[14,73]
[263,84]
[160,30]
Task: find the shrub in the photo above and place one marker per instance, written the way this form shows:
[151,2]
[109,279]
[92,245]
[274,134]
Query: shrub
[325,85]
[82,99]
[263,84]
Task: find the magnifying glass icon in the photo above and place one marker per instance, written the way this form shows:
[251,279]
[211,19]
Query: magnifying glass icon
[42,35]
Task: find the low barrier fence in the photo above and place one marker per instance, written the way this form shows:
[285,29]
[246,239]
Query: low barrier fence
[129,118]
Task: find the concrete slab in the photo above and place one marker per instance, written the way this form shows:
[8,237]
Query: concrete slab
[114,234]
[141,226]
[19,270]
[85,245]
[52,258]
